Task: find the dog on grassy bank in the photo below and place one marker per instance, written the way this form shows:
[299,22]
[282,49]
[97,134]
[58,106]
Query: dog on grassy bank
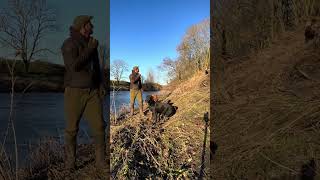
[160,110]
[312,30]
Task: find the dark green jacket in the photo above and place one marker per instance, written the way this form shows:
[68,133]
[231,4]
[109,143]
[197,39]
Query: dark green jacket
[135,81]
[82,69]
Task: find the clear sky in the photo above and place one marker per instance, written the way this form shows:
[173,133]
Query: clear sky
[66,10]
[143,32]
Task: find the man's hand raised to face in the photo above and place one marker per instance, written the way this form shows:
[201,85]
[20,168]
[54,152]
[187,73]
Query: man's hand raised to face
[139,75]
[93,43]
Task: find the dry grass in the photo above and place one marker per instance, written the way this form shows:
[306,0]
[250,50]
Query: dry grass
[172,150]
[45,161]
[265,118]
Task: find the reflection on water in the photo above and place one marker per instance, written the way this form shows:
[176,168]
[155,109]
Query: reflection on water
[36,116]
[122,98]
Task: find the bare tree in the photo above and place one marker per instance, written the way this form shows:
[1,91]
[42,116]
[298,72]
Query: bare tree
[194,53]
[195,47]
[169,66]
[150,76]
[24,25]
[7,171]
[118,67]
[143,79]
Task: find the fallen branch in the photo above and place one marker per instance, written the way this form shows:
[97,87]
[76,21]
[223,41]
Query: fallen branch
[304,74]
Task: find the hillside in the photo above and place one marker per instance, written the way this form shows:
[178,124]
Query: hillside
[42,77]
[171,150]
[266,112]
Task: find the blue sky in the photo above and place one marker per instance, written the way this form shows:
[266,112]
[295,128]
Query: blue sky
[143,32]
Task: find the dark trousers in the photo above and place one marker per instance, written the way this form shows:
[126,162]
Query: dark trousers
[86,102]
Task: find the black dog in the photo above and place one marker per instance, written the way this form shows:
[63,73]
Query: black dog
[310,31]
[160,110]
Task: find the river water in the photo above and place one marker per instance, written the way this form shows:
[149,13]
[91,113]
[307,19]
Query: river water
[40,115]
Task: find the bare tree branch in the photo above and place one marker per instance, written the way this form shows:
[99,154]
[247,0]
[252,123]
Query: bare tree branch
[25,25]
[118,67]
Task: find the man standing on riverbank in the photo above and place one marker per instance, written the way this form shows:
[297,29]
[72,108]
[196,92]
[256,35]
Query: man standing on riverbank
[83,89]
[136,90]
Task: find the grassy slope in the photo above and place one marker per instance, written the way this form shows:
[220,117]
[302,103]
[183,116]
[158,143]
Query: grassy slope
[266,112]
[172,149]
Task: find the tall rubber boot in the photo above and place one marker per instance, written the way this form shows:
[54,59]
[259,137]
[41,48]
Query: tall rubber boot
[70,156]
[100,156]
[131,110]
[141,111]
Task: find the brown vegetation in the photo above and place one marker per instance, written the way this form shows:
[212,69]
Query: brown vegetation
[170,150]
[265,106]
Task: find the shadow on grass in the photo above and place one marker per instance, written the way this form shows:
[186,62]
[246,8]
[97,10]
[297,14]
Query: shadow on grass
[308,170]
[206,119]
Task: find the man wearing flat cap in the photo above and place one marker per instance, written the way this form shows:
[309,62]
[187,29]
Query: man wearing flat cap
[136,90]
[83,93]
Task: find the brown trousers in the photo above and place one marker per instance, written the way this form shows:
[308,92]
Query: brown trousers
[86,102]
[136,93]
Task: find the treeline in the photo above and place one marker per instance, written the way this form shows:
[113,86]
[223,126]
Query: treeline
[194,53]
[37,67]
[41,76]
[242,26]
[125,86]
